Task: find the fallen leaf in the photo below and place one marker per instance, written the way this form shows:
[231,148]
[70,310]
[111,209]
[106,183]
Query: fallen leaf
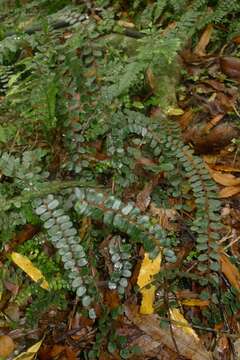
[229,191]
[224,179]
[30,353]
[27,266]
[71,354]
[12,311]
[215,84]
[145,161]
[143,197]
[146,344]
[165,217]
[13,288]
[172,111]
[200,49]
[220,136]
[226,168]
[56,350]
[148,297]
[188,346]
[111,299]
[195,302]
[210,159]
[213,122]
[237,347]
[150,78]
[6,346]
[126,24]
[148,268]
[186,118]
[178,317]
[230,271]
[230,66]
[222,347]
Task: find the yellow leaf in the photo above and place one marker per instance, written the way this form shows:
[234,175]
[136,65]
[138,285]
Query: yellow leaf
[174,111]
[148,296]
[30,353]
[27,266]
[195,302]
[149,268]
[183,324]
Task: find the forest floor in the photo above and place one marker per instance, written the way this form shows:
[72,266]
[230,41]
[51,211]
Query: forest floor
[162,309]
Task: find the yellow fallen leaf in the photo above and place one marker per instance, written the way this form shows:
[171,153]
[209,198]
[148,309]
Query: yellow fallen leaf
[229,191]
[30,353]
[149,268]
[148,296]
[195,302]
[178,317]
[27,266]
[174,111]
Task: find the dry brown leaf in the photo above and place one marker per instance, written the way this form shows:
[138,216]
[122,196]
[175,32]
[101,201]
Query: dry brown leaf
[6,346]
[186,119]
[146,344]
[210,159]
[220,136]
[86,224]
[111,299]
[126,24]
[230,271]
[224,179]
[213,122]
[57,350]
[200,49]
[229,191]
[151,78]
[226,168]
[143,197]
[215,84]
[222,347]
[237,347]
[188,346]
[230,66]
[165,216]
[236,39]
